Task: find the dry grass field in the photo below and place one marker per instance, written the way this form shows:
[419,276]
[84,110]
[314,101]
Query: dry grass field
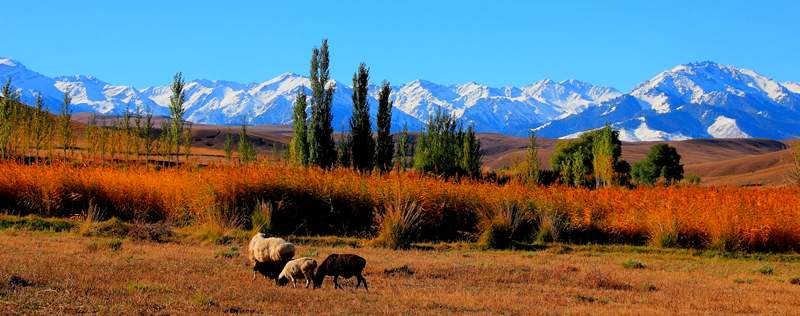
[63,273]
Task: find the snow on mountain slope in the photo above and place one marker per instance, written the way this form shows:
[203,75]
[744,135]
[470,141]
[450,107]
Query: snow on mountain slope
[647,134]
[642,133]
[34,82]
[695,100]
[709,83]
[792,86]
[692,100]
[508,110]
[101,97]
[725,127]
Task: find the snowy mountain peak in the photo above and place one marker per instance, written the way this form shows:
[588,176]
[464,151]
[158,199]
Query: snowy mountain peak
[699,99]
[89,79]
[9,62]
[792,86]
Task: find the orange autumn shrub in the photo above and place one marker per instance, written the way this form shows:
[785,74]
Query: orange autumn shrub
[341,202]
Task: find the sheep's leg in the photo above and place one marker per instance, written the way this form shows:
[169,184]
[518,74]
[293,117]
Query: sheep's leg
[294,284]
[336,282]
[309,278]
[362,279]
[254,276]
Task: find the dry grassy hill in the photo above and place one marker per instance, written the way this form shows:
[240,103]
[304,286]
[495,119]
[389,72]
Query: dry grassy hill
[718,161]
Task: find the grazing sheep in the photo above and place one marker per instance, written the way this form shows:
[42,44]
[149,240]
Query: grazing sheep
[346,266]
[268,249]
[298,268]
[271,269]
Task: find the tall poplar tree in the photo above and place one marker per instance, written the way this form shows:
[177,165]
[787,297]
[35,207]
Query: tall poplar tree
[165,143]
[299,145]
[177,111]
[603,160]
[137,133]
[102,138]
[247,153]
[321,147]
[447,149]
[65,132]
[41,126]
[404,148]
[147,134]
[8,117]
[344,149]
[227,146]
[187,143]
[360,139]
[385,143]
[127,132]
[529,167]
[472,154]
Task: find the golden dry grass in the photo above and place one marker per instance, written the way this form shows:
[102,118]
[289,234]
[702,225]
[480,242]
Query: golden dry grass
[344,203]
[69,274]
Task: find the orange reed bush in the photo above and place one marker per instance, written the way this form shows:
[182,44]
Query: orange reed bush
[344,202]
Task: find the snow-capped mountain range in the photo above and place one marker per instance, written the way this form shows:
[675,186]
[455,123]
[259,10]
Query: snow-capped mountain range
[690,101]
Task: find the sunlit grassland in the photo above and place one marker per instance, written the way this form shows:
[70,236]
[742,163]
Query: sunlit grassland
[69,274]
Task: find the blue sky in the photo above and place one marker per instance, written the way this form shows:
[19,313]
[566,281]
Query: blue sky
[496,43]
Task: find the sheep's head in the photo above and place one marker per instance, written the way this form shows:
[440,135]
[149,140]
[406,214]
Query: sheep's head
[264,270]
[283,281]
[317,280]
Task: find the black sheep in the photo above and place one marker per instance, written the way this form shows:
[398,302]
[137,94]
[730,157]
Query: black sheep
[346,266]
[271,269]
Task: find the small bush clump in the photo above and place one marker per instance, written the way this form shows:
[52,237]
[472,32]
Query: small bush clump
[399,223]
[767,269]
[501,222]
[633,264]
[110,244]
[740,281]
[202,300]
[228,253]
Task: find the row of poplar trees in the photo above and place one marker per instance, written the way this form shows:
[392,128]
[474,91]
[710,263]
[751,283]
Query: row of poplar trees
[312,142]
[445,148]
[24,129]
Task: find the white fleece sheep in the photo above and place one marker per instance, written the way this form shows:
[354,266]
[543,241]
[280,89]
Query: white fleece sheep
[302,268]
[263,249]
